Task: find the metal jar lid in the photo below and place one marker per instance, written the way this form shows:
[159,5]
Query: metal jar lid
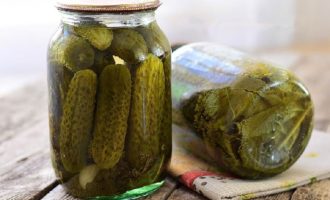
[107,5]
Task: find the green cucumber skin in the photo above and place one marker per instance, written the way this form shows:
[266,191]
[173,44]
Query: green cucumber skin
[113,104]
[77,120]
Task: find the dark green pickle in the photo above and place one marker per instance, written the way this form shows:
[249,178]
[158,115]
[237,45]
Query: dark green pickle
[59,78]
[129,45]
[77,120]
[101,60]
[143,139]
[110,121]
[113,104]
[156,41]
[166,126]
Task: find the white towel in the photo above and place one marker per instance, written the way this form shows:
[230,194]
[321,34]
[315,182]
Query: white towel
[207,180]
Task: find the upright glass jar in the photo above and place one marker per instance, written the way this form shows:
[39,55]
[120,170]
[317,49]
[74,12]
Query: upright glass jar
[109,99]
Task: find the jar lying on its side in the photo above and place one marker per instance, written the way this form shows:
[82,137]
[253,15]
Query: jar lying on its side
[254,117]
[109,100]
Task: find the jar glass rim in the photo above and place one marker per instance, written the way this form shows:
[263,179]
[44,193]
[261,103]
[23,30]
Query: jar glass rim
[107,5]
[108,19]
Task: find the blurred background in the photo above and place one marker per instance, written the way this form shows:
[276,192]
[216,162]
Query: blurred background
[255,26]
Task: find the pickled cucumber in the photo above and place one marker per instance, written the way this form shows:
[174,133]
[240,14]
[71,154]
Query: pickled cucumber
[113,103]
[143,137]
[152,175]
[77,120]
[73,52]
[129,45]
[59,78]
[166,126]
[99,37]
[156,41]
[102,59]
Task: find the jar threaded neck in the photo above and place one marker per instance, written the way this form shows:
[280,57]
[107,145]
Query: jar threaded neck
[130,19]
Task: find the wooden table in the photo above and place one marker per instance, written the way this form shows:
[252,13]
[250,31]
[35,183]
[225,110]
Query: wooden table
[25,169]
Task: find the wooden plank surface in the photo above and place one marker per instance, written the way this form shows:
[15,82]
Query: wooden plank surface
[58,193]
[27,178]
[319,190]
[25,169]
[164,192]
[183,193]
[280,196]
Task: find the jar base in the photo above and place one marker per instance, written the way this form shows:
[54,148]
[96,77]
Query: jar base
[133,194]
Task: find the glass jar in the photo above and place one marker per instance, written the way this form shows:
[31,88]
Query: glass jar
[110,99]
[254,117]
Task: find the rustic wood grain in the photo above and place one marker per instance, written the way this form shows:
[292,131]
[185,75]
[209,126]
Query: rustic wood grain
[183,193]
[170,184]
[28,178]
[280,196]
[30,140]
[164,192]
[58,193]
[316,191]
[25,169]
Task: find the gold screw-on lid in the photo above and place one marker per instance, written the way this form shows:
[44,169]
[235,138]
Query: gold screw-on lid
[107,5]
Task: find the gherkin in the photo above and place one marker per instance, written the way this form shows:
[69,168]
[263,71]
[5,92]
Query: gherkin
[77,119]
[59,78]
[152,175]
[166,126]
[256,126]
[102,59]
[129,45]
[73,52]
[143,139]
[100,37]
[156,40]
[113,103]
